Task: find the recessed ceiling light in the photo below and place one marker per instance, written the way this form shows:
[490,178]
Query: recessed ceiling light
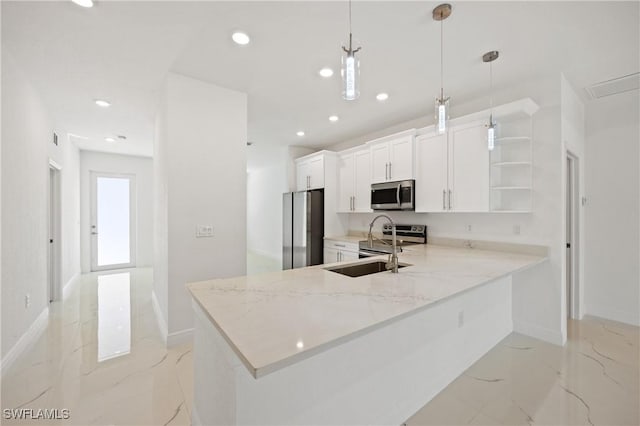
[300,133]
[334,118]
[83,3]
[382,96]
[109,139]
[240,38]
[103,103]
[326,72]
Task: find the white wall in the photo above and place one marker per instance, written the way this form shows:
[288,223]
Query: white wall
[612,211]
[266,182]
[142,168]
[201,149]
[537,293]
[27,134]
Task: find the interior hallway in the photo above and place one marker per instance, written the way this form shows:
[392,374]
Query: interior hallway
[102,357]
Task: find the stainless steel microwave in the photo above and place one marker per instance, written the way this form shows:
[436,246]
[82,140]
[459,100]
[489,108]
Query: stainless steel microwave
[393,195]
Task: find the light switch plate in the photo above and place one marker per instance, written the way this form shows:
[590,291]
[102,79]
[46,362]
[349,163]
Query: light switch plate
[204,231]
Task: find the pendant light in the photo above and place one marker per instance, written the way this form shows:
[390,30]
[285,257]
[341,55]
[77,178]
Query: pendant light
[491,127]
[440,13]
[350,68]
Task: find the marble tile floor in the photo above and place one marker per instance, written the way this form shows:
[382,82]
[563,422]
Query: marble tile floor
[592,380]
[102,357]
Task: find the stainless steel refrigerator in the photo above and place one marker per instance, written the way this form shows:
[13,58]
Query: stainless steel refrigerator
[302,228]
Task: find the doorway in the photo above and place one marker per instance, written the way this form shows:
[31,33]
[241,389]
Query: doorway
[113,221]
[572,227]
[53,244]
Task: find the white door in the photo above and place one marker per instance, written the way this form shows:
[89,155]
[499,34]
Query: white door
[346,170]
[53,243]
[113,220]
[362,193]
[431,173]
[349,255]
[316,172]
[302,176]
[379,162]
[330,255]
[401,159]
[469,169]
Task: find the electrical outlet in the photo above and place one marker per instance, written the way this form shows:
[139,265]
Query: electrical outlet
[204,231]
[460,319]
[27,301]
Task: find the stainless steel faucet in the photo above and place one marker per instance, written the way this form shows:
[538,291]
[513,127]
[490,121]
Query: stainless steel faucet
[392,264]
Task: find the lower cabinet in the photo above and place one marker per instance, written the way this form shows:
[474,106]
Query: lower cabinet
[339,251]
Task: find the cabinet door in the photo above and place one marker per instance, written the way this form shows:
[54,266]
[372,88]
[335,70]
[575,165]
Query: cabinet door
[431,173]
[348,255]
[379,162]
[302,174]
[401,158]
[469,169]
[362,173]
[346,171]
[316,172]
[330,255]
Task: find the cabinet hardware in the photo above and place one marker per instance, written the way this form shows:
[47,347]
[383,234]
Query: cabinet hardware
[444,194]
[339,245]
[386,171]
[398,195]
[449,199]
[390,171]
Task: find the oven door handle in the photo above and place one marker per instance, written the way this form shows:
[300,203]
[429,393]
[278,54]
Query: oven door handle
[398,194]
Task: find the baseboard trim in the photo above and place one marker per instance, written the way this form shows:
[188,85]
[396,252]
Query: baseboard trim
[613,314]
[25,341]
[162,324]
[66,290]
[535,331]
[180,337]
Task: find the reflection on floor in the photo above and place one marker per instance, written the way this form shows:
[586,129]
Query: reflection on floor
[102,358]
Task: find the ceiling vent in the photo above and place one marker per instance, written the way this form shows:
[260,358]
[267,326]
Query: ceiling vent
[614,86]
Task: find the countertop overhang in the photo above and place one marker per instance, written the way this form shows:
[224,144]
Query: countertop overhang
[275,319]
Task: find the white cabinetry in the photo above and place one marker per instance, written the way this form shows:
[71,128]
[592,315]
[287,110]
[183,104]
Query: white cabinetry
[310,172]
[392,157]
[339,251]
[354,181]
[453,170]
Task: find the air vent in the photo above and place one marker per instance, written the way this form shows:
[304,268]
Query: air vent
[614,86]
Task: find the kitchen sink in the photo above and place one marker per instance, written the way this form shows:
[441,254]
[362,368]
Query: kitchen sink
[361,269]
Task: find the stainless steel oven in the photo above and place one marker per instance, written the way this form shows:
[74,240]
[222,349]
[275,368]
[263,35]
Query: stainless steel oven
[393,195]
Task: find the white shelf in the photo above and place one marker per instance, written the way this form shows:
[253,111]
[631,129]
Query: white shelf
[512,188]
[511,163]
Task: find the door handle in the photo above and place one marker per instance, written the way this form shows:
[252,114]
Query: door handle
[444,194]
[386,171]
[390,175]
[94,233]
[449,199]
[398,195]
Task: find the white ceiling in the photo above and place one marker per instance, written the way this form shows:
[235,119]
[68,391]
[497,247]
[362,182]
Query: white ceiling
[122,51]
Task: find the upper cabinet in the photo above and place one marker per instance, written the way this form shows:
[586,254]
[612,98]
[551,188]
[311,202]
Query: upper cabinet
[453,170]
[392,157]
[354,181]
[310,172]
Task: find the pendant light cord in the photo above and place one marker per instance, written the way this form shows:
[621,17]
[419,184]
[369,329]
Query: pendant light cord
[441,56]
[491,92]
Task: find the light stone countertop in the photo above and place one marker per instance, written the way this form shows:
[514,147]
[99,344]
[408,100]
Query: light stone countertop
[275,319]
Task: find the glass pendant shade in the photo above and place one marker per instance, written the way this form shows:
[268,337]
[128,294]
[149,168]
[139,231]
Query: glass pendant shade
[491,134]
[442,115]
[350,76]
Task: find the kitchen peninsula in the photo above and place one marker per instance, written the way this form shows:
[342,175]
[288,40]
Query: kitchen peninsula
[311,346]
